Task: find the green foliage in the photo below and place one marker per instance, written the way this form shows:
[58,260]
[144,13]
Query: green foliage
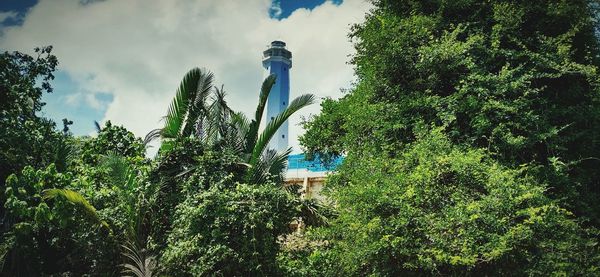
[265,89]
[72,218]
[325,133]
[188,108]
[519,79]
[470,141]
[225,150]
[228,232]
[506,184]
[77,199]
[25,138]
[264,164]
[304,254]
[442,209]
[259,143]
[219,127]
[140,264]
[184,171]
[96,199]
[112,139]
[50,237]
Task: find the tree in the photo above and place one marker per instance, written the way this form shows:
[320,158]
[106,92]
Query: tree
[518,79]
[442,209]
[76,220]
[25,138]
[185,170]
[188,110]
[48,231]
[204,169]
[228,232]
[264,163]
[139,261]
[216,124]
[510,89]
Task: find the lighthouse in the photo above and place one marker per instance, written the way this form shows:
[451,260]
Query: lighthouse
[278,60]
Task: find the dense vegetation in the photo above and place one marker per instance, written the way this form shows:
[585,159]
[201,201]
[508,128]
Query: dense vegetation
[210,203]
[470,142]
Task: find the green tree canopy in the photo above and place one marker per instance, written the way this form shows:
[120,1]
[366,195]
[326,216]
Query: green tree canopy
[445,210]
[229,232]
[519,79]
[25,138]
[507,181]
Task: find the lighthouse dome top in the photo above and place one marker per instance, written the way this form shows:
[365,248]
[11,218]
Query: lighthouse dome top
[277,52]
[277,43]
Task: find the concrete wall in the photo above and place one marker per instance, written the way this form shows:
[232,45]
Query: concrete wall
[309,187]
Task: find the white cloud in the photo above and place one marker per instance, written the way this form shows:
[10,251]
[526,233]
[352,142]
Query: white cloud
[275,9]
[139,50]
[88,98]
[8,15]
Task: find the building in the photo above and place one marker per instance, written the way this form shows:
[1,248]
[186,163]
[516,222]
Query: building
[309,176]
[278,60]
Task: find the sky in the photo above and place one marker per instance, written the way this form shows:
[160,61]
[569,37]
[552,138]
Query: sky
[123,60]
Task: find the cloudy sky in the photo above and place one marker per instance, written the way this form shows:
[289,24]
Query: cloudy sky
[121,60]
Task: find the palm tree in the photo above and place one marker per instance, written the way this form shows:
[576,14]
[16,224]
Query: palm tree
[263,161]
[187,111]
[216,123]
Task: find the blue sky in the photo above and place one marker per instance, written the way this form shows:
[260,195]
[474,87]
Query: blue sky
[122,60]
[16,5]
[66,102]
[283,8]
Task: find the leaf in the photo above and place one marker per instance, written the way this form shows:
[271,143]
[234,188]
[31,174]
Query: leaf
[219,117]
[252,135]
[140,264]
[97,125]
[261,144]
[152,135]
[77,199]
[197,109]
[187,105]
[271,163]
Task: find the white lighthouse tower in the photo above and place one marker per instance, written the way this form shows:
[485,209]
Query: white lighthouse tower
[278,60]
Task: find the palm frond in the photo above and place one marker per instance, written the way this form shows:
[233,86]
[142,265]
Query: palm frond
[179,107]
[219,116]
[252,135]
[64,152]
[272,127]
[236,135]
[138,260]
[139,263]
[78,200]
[151,136]
[97,125]
[315,213]
[126,184]
[270,165]
[118,168]
[278,164]
[197,108]
[8,242]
